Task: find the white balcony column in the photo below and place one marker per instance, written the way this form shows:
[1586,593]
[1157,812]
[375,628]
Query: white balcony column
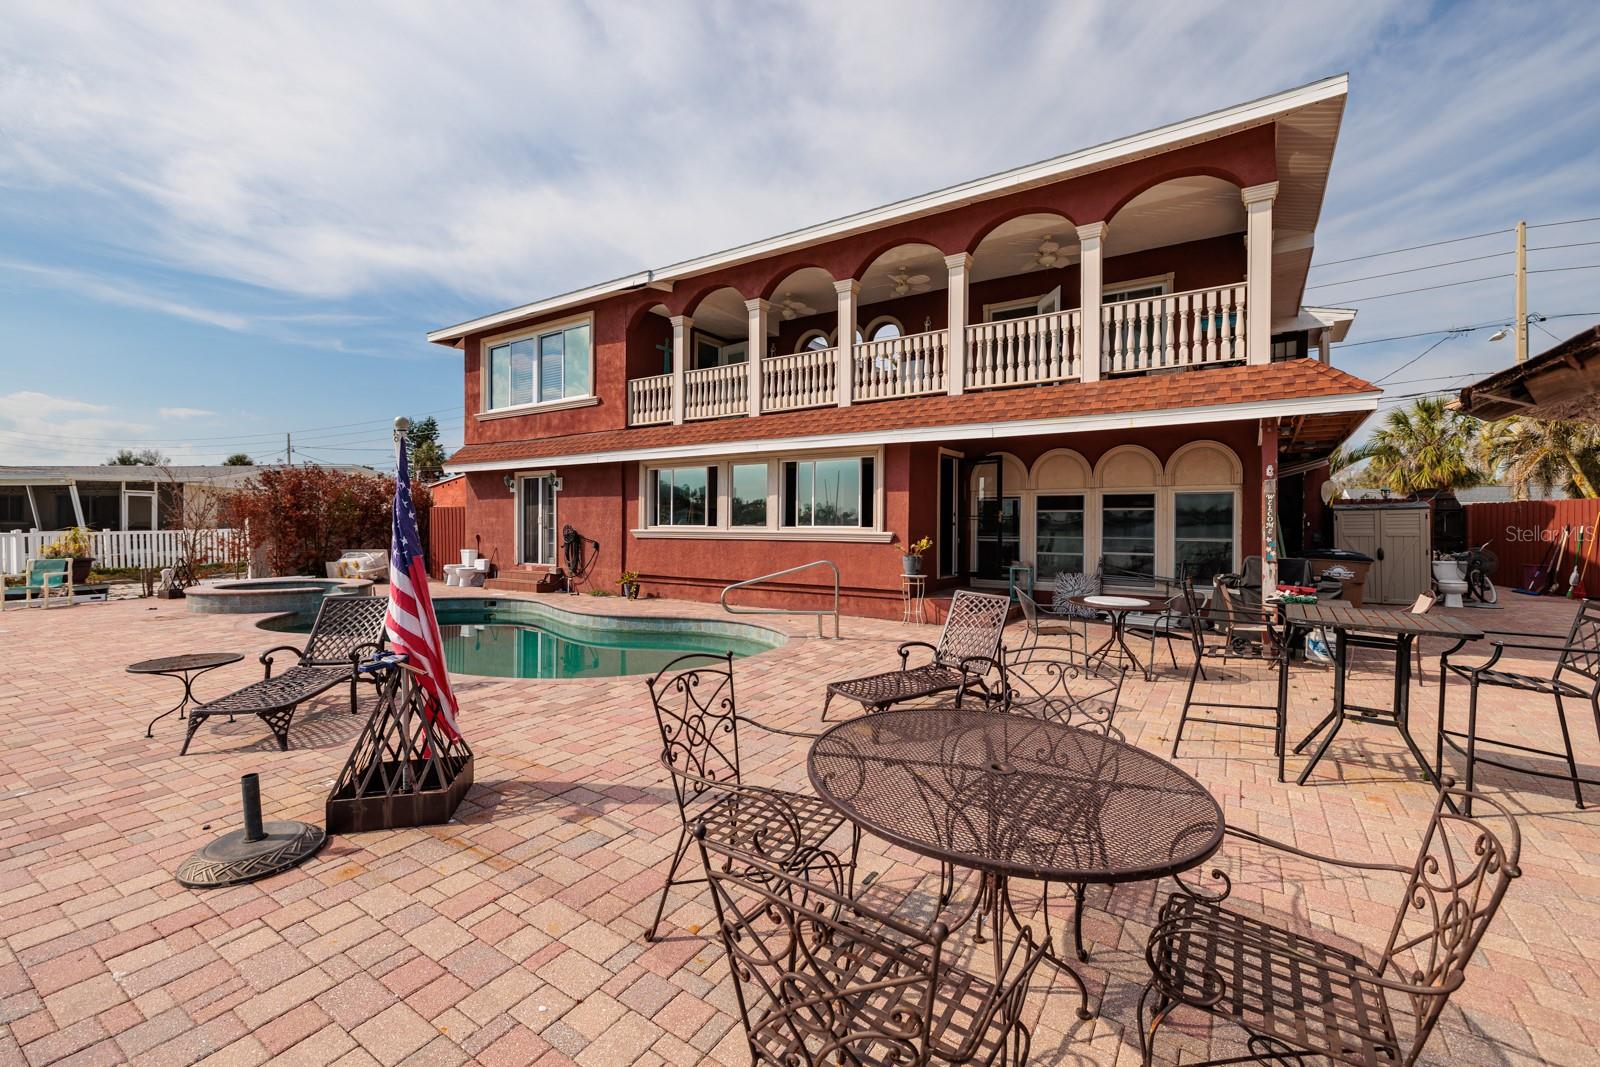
[1258,272]
[757,347]
[848,290]
[1091,246]
[682,328]
[955,359]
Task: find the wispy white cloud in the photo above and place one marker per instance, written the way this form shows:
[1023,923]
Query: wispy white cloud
[185,413]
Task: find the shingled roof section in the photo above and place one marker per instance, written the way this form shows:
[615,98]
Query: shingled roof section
[1208,387]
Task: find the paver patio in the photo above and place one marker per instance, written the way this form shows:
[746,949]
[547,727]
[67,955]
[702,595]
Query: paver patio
[514,934]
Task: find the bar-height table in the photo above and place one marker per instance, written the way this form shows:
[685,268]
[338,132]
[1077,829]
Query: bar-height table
[1387,629]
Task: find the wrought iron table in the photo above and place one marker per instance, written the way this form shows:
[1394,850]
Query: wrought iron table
[1016,797]
[187,669]
[1117,606]
[1386,629]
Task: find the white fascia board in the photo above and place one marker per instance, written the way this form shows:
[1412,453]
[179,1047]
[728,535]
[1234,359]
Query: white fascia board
[1215,124]
[971,431]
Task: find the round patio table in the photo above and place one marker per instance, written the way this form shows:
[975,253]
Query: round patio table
[1012,796]
[1117,606]
[187,669]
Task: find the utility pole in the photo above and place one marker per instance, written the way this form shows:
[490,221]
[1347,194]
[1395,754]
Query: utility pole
[288,450]
[1522,292]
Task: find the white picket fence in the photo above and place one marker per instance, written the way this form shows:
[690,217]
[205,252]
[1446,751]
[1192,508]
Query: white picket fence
[124,548]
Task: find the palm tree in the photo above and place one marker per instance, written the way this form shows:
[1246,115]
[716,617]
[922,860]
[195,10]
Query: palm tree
[1426,446]
[1544,454]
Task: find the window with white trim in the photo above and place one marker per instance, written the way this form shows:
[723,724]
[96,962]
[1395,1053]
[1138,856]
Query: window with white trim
[747,501]
[1058,534]
[1128,533]
[683,496]
[1202,533]
[542,367]
[828,492]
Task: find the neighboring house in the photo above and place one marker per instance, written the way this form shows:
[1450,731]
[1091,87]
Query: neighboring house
[449,491]
[924,369]
[1562,382]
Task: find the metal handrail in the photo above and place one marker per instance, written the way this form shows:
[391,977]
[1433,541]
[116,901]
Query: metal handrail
[787,611]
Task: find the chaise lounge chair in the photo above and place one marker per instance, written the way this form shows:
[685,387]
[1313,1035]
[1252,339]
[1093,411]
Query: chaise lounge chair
[45,575]
[972,631]
[348,630]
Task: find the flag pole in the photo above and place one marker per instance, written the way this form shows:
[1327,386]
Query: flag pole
[401,425]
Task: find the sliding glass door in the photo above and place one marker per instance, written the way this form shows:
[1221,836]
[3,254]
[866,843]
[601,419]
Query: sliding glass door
[538,520]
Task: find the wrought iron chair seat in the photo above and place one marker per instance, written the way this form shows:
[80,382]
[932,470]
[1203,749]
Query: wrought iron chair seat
[764,822]
[959,999]
[1513,680]
[1275,982]
[879,691]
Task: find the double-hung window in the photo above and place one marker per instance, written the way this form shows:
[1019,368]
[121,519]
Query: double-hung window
[828,492]
[683,496]
[1128,533]
[546,366]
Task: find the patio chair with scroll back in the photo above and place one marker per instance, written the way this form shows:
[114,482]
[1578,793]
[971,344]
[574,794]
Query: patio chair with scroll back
[1298,996]
[348,630]
[972,630]
[699,722]
[822,978]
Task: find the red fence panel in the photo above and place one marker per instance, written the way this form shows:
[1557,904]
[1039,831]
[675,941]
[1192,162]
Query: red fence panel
[447,536]
[1522,532]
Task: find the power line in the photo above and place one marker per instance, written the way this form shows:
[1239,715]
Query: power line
[267,434]
[1459,329]
[1557,270]
[1411,248]
[1425,288]
[1568,222]
[1413,270]
[1574,244]
[1413,359]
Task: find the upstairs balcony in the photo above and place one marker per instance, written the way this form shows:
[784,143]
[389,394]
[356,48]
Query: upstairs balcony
[1171,283]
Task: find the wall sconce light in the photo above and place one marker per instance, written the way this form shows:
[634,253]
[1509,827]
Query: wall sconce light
[556,483]
[511,482]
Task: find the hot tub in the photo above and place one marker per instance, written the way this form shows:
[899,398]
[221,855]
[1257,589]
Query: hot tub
[252,596]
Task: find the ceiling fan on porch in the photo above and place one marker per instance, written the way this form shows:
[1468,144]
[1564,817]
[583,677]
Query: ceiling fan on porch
[904,282]
[790,308]
[1050,253]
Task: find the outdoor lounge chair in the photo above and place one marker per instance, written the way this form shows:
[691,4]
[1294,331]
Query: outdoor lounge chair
[699,722]
[822,978]
[45,575]
[1297,996]
[348,630]
[972,631]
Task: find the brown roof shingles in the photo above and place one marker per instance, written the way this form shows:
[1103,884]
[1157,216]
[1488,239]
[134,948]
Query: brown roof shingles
[1288,380]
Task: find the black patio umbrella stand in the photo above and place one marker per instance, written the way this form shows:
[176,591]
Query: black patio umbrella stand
[258,851]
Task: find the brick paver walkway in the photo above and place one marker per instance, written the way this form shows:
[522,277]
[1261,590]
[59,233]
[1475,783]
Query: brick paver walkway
[513,935]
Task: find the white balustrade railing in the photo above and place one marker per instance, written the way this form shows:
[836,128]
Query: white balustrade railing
[117,549]
[712,392]
[1174,330]
[650,400]
[806,379]
[1040,348]
[901,366]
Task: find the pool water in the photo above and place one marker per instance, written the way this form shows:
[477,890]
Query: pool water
[531,639]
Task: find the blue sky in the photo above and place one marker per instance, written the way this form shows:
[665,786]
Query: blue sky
[220,224]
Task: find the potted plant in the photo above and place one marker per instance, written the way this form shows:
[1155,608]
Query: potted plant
[75,545]
[630,584]
[911,559]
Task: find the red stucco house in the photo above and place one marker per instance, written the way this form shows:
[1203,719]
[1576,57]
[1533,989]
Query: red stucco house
[1100,357]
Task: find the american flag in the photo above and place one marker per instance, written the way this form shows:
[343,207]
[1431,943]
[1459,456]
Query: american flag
[413,627]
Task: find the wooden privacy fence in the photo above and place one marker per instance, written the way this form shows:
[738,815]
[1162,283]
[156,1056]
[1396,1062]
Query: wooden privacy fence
[447,536]
[1521,532]
[114,549]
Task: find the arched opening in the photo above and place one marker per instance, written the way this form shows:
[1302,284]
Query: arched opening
[883,328]
[804,304]
[649,343]
[1205,480]
[1062,484]
[1025,266]
[905,284]
[1129,479]
[721,332]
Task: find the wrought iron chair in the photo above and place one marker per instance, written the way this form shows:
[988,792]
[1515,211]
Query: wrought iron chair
[1297,996]
[1062,691]
[1229,633]
[1172,621]
[1071,629]
[348,629]
[822,978]
[699,722]
[972,630]
[1576,675]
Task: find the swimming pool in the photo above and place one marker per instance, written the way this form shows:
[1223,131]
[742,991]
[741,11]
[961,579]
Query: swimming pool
[533,639]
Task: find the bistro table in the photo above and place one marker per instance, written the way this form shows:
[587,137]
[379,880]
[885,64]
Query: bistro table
[1389,630]
[1016,797]
[1117,606]
[187,668]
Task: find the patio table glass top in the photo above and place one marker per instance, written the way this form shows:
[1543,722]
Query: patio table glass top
[1016,796]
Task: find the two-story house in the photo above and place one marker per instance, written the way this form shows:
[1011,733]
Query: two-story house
[1099,359]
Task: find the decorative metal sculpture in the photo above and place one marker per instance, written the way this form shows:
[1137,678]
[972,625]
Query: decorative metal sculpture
[404,770]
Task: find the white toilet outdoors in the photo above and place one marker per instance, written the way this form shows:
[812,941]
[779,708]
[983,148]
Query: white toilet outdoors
[1448,577]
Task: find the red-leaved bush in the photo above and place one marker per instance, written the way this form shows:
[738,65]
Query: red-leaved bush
[303,517]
